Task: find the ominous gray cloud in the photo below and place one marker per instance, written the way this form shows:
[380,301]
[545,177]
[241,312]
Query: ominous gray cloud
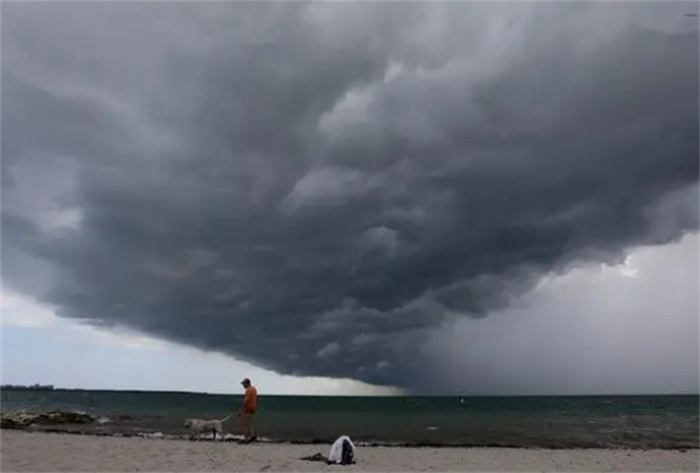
[606,331]
[318,188]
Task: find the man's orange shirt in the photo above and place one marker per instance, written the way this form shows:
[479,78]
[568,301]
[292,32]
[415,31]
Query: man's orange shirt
[250,402]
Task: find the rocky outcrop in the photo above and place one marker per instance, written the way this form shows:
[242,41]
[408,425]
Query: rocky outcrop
[22,420]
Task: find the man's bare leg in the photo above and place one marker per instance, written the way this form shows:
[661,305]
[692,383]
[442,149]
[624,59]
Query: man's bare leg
[247,419]
[251,428]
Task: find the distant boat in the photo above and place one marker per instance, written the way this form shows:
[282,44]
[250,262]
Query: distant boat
[461,400]
[33,387]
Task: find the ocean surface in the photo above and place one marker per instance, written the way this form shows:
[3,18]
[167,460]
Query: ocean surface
[668,422]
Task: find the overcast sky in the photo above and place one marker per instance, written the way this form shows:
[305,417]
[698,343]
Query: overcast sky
[429,198]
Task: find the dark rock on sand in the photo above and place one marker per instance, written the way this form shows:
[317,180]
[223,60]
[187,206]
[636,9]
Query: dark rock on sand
[22,420]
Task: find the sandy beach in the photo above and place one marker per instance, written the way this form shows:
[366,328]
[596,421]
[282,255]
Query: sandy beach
[31,451]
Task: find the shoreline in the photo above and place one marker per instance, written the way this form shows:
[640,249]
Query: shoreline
[50,451]
[237,439]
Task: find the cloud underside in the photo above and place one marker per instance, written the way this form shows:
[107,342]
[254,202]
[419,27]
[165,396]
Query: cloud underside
[316,188]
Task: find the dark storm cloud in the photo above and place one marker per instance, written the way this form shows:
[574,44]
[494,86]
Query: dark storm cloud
[314,188]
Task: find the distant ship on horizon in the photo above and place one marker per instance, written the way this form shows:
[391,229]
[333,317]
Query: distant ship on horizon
[37,387]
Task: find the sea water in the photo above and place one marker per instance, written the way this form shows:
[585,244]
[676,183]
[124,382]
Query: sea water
[549,422]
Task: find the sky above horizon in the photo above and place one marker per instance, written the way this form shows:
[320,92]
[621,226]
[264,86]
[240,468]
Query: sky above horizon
[351,199]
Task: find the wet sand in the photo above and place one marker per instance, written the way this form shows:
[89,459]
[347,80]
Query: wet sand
[38,451]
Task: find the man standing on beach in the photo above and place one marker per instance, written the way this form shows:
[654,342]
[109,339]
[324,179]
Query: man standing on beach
[247,410]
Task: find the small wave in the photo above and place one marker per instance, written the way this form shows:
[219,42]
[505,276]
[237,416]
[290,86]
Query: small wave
[152,435]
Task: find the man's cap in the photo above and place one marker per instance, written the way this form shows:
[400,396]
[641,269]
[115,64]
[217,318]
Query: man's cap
[245,381]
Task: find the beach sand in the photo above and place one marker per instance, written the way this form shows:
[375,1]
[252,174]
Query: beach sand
[33,451]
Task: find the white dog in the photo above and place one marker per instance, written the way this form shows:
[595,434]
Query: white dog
[199,426]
